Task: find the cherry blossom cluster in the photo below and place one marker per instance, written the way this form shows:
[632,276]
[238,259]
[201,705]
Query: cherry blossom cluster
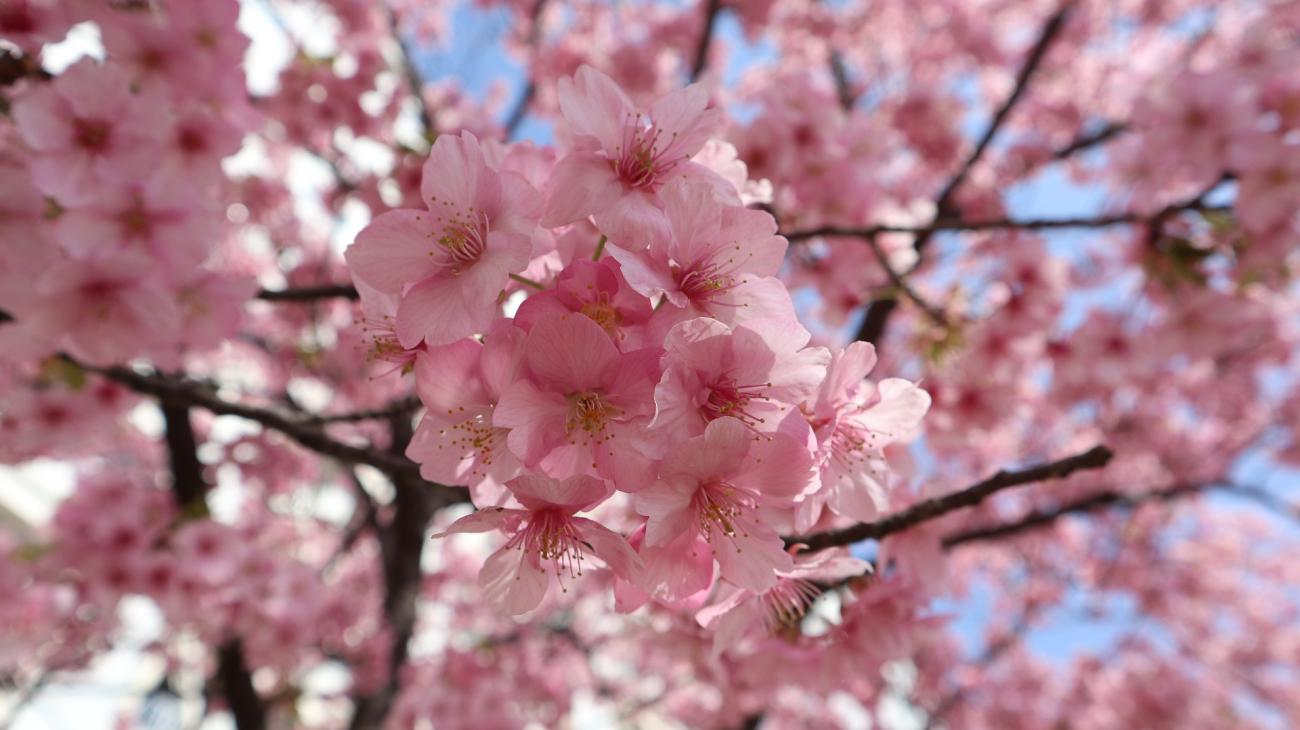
[111,183]
[660,361]
[633,354]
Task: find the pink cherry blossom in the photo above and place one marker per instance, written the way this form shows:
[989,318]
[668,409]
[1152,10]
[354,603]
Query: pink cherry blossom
[460,385]
[757,372]
[720,261]
[736,611]
[598,291]
[88,131]
[854,420]
[717,486]
[449,263]
[621,157]
[581,406]
[548,543]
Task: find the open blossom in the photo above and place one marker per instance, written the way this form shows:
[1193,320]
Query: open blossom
[720,260]
[598,291]
[102,311]
[88,131]
[456,441]
[622,157]
[735,612]
[450,262]
[581,405]
[757,372]
[854,421]
[548,543]
[718,487]
[165,224]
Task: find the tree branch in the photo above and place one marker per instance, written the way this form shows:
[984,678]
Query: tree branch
[1017,224]
[1044,518]
[189,489]
[701,59]
[303,431]
[237,687]
[413,80]
[401,406]
[309,293]
[901,284]
[930,509]
[878,312]
[1087,141]
[401,544]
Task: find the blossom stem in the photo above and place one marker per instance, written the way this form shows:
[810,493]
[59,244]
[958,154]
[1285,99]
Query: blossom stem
[528,282]
[600,248]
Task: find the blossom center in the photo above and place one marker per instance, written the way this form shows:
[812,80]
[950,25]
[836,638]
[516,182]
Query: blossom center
[642,161]
[603,312]
[463,240]
[718,507]
[90,134]
[590,413]
[702,283]
[552,537]
[476,435]
[727,398]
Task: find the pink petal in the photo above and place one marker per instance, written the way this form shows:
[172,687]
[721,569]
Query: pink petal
[611,548]
[581,183]
[513,582]
[484,520]
[571,354]
[595,106]
[394,250]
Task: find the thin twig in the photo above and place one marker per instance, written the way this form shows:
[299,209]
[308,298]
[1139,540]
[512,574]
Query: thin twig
[1043,518]
[901,284]
[878,312]
[1094,458]
[1017,224]
[1089,140]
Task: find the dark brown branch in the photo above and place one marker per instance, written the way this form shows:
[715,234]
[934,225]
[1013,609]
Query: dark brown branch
[701,58]
[188,484]
[520,111]
[1089,140]
[900,283]
[840,73]
[878,312]
[1006,224]
[237,687]
[1051,29]
[930,509]
[15,66]
[1043,518]
[309,293]
[189,488]
[305,432]
[401,406]
[401,544]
